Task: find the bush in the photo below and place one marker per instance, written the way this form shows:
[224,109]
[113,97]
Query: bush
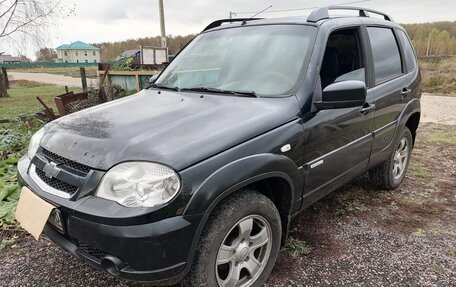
[14,138]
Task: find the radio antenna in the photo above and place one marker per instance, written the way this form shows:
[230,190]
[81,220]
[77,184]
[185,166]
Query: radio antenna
[267,8]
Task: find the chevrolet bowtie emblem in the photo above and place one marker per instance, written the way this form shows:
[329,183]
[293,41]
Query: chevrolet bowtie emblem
[51,170]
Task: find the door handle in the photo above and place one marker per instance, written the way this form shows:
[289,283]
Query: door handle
[367,108]
[406,92]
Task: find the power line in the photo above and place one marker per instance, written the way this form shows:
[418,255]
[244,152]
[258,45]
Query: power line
[294,9]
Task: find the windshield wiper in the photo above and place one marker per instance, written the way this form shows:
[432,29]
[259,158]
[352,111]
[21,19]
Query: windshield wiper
[220,91]
[160,86]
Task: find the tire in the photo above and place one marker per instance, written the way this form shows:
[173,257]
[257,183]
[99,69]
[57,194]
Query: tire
[390,174]
[226,226]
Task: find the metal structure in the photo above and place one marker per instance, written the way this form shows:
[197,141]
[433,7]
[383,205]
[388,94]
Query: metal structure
[162,23]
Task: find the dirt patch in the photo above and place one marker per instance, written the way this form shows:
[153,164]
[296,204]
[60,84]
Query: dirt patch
[438,109]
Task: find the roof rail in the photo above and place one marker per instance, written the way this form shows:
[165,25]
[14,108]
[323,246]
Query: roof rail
[323,13]
[221,21]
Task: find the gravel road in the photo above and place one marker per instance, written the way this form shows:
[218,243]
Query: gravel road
[356,236]
[58,80]
[438,109]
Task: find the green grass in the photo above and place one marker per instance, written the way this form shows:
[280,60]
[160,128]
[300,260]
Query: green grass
[22,98]
[297,247]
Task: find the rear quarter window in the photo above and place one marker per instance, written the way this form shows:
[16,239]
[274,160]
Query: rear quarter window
[385,51]
[410,58]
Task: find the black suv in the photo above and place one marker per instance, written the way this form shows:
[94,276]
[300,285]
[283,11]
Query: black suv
[199,176]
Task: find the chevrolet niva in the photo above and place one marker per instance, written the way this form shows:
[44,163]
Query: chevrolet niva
[197,177]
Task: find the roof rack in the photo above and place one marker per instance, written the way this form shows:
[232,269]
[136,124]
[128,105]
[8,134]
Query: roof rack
[219,23]
[323,13]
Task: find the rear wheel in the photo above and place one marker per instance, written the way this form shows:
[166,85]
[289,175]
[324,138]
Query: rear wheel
[391,173]
[240,244]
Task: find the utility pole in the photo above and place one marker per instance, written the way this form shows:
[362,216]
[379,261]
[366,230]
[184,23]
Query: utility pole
[428,50]
[162,23]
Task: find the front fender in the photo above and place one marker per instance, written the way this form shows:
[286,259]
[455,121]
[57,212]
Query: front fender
[241,173]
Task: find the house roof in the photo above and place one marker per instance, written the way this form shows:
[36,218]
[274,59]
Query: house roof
[9,58]
[127,54]
[78,45]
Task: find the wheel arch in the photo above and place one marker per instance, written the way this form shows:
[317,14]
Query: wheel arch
[266,172]
[412,123]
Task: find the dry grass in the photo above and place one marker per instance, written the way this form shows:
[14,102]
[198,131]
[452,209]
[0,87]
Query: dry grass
[439,75]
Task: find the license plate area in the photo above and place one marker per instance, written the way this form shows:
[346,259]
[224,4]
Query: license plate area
[56,220]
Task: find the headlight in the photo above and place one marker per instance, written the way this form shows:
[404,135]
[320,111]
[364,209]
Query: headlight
[35,143]
[139,184]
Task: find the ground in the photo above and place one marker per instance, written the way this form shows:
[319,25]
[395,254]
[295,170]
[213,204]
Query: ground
[91,71]
[54,79]
[356,236]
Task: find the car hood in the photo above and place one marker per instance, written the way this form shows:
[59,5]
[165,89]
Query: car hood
[177,129]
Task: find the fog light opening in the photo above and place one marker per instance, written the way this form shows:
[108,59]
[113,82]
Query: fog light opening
[111,265]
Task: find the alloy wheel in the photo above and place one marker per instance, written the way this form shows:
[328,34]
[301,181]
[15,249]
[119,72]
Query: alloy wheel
[400,158]
[244,252]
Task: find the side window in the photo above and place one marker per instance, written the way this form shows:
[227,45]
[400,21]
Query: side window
[343,58]
[387,59]
[410,58]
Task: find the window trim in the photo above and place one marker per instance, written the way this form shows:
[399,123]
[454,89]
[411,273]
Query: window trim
[401,55]
[361,42]
[406,71]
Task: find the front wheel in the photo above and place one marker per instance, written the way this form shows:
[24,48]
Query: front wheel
[391,173]
[240,244]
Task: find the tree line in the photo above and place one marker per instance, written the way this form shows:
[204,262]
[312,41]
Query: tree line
[110,50]
[429,39]
[433,39]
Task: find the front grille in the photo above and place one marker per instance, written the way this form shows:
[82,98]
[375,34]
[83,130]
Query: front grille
[95,252]
[55,183]
[69,163]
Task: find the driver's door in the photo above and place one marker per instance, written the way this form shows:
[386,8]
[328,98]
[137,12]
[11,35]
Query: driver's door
[338,142]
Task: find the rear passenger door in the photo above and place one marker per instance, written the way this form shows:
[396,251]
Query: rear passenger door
[391,87]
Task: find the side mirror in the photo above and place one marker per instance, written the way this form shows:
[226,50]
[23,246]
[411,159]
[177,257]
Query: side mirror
[340,95]
[153,79]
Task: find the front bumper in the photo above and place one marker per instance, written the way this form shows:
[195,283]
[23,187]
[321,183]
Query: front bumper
[158,251]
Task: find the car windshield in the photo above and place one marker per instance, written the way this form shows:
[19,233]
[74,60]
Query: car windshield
[259,60]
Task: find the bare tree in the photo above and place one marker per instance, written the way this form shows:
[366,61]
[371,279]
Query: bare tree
[46,55]
[25,21]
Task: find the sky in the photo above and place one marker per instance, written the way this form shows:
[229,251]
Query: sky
[115,20]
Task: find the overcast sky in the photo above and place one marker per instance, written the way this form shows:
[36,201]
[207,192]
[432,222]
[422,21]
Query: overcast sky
[114,20]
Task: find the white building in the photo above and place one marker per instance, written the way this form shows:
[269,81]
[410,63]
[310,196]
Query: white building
[78,52]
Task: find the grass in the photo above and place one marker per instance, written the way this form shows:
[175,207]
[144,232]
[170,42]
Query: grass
[417,170]
[14,138]
[91,71]
[22,98]
[439,75]
[297,247]
[443,137]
